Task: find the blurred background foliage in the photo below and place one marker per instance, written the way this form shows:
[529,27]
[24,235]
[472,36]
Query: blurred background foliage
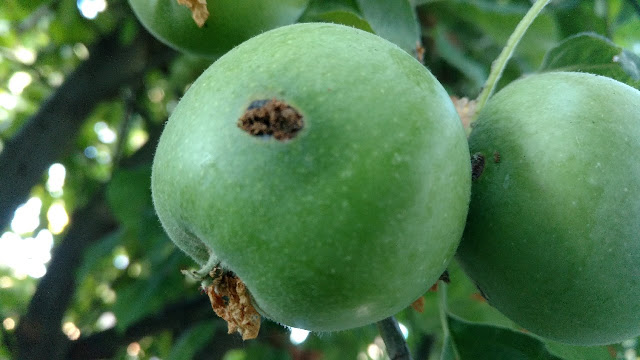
[84,255]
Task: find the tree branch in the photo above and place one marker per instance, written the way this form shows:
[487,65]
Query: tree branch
[48,134]
[39,332]
[393,339]
[176,317]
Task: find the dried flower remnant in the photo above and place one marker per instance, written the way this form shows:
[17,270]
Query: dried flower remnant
[231,301]
[199,11]
[466,110]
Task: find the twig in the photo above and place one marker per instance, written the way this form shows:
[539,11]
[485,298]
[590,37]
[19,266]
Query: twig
[500,63]
[394,341]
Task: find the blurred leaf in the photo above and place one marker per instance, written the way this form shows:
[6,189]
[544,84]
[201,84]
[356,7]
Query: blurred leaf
[594,54]
[193,340]
[343,12]
[395,21]
[478,342]
[141,297]
[129,195]
[496,21]
[569,352]
[454,55]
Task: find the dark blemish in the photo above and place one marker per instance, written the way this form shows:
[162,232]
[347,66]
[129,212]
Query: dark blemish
[271,118]
[445,277]
[477,166]
[496,157]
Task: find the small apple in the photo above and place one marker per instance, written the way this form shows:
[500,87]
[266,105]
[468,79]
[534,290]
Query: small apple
[322,165]
[553,232]
[230,22]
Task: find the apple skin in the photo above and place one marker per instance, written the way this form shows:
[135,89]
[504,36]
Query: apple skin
[230,22]
[553,232]
[348,222]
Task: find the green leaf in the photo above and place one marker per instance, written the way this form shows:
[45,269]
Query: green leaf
[129,195]
[343,12]
[395,21]
[455,57]
[570,352]
[478,341]
[592,53]
[496,21]
[193,340]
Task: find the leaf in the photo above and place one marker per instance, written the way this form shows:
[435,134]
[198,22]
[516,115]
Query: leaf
[592,53]
[343,12]
[193,340]
[496,22]
[129,195]
[474,341]
[395,21]
[571,352]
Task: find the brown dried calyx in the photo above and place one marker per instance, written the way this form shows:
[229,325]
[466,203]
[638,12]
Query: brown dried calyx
[272,118]
[231,301]
[199,11]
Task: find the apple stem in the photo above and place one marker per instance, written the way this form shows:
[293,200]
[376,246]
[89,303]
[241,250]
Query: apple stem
[497,68]
[391,334]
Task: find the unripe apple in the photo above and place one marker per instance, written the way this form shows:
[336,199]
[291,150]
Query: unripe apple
[230,22]
[553,232]
[322,165]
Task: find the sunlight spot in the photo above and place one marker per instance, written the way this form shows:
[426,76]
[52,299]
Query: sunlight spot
[91,8]
[105,134]
[71,330]
[5,26]
[107,320]
[133,349]
[298,336]
[27,217]
[121,262]
[8,101]
[55,79]
[27,257]
[57,217]
[403,330]
[137,138]
[24,55]
[9,324]
[81,51]
[57,174]
[18,81]
[155,94]
[91,152]
[107,294]
[374,352]
[134,270]
[6,282]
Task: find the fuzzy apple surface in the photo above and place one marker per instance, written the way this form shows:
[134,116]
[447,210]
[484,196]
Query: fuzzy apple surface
[230,22]
[553,233]
[348,221]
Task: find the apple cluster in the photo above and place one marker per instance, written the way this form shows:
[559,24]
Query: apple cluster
[328,170]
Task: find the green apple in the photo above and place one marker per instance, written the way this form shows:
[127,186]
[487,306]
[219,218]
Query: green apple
[322,165]
[553,233]
[230,22]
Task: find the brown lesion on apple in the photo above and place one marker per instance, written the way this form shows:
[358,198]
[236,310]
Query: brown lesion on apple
[231,301]
[271,117]
[477,165]
[199,11]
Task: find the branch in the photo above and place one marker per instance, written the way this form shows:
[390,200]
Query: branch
[39,332]
[176,317]
[49,133]
[393,339]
